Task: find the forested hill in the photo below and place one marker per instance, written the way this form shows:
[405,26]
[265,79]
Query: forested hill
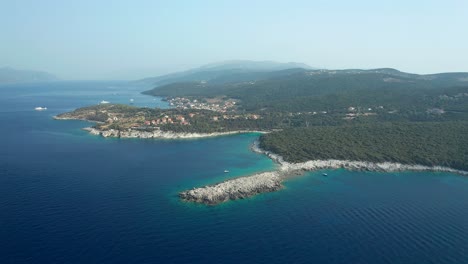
[315,90]
[431,144]
[227,71]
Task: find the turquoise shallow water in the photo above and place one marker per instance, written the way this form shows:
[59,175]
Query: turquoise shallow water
[69,197]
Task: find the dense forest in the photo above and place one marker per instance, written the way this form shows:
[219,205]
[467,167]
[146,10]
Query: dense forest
[444,144]
[334,91]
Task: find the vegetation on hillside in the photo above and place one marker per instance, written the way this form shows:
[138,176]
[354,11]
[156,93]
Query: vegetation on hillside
[444,144]
[302,91]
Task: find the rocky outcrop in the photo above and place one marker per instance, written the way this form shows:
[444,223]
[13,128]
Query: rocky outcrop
[234,189]
[92,131]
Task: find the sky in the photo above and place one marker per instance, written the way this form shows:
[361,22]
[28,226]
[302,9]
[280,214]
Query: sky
[92,40]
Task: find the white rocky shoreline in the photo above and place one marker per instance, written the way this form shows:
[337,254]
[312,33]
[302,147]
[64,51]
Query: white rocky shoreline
[243,187]
[159,134]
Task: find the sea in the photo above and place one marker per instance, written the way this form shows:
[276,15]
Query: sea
[70,197]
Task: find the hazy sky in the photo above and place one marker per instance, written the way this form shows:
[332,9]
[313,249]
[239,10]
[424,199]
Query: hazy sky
[96,39]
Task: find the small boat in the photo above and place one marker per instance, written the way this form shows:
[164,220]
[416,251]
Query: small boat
[39,108]
[131,100]
[324,174]
[104,102]
[226,171]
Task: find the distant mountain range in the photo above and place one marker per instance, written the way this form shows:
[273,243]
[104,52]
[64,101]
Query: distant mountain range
[10,75]
[227,71]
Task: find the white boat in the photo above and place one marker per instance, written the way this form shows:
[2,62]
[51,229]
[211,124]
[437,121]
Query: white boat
[324,174]
[104,102]
[39,108]
[226,171]
[131,100]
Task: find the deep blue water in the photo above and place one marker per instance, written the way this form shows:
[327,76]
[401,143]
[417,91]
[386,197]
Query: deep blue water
[69,197]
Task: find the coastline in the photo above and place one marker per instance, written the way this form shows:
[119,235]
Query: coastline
[247,186]
[313,165]
[158,134]
[80,119]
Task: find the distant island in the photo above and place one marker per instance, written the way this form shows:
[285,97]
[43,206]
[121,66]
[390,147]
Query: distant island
[381,120]
[10,75]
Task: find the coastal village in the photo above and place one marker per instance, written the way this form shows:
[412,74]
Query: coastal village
[182,119]
[123,117]
[215,104]
[226,109]
[203,114]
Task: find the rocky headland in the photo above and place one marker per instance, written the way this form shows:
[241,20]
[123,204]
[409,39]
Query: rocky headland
[114,121]
[238,188]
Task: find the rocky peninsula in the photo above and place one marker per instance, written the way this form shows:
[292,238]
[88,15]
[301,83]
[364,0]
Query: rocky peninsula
[238,188]
[243,187]
[122,121]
